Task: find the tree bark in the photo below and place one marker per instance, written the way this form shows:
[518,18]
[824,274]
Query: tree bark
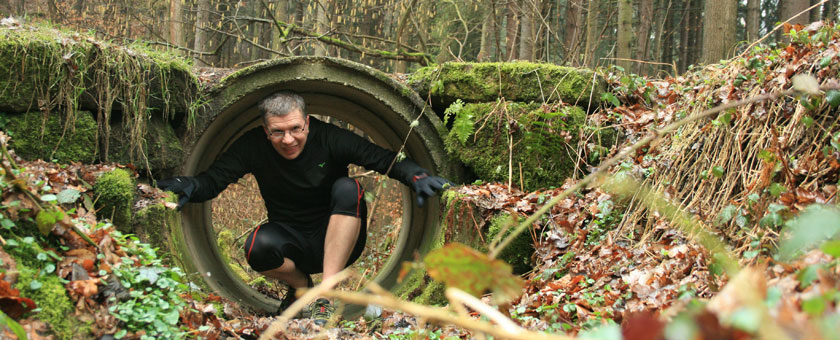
[486,35]
[320,27]
[526,40]
[752,19]
[625,33]
[573,30]
[592,31]
[202,42]
[643,39]
[829,11]
[814,14]
[511,30]
[789,8]
[719,29]
[176,22]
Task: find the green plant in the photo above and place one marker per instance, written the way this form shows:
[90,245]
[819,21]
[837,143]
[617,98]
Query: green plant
[154,302]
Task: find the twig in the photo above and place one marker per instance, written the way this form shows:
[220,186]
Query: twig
[438,315]
[673,66]
[458,297]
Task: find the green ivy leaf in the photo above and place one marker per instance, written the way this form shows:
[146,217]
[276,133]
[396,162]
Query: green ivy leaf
[68,196]
[35,285]
[717,171]
[814,306]
[831,248]
[611,98]
[777,189]
[833,98]
[766,156]
[47,218]
[726,214]
[807,275]
[815,224]
[807,121]
[825,62]
[458,265]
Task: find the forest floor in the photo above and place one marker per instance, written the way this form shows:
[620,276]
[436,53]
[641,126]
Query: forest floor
[760,179]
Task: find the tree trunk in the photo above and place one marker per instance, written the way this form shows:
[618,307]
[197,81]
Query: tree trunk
[753,11]
[511,28]
[625,33]
[176,22]
[526,40]
[790,8]
[643,39]
[320,27]
[486,34]
[202,42]
[829,11]
[814,15]
[573,30]
[719,29]
[278,11]
[592,31]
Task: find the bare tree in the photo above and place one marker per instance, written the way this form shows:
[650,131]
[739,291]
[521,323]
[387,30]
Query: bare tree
[625,33]
[526,35]
[643,39]
[719,29]
[176,22]
[511,29]
[752,19]
[573,32]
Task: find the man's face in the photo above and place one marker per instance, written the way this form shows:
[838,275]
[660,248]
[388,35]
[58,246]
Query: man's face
[287,133]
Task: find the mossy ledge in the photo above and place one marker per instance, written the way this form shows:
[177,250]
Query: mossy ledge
[46,71]
[544,142]
[514,81]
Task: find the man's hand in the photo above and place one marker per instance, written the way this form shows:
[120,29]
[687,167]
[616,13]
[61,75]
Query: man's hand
[426,186]
[181,185]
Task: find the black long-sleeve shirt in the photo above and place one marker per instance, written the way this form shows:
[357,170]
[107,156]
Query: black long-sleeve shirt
[298,191]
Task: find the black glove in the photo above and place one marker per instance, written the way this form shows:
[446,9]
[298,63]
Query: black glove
[427,186]
[182,185]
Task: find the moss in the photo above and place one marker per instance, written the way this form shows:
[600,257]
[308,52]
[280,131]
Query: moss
[544,143]
[54,306]
[162,149]
[47,70]
[514,81]
[54,137]
[155,224]
[115,196]
[419,287]
[518,253]
[225,241]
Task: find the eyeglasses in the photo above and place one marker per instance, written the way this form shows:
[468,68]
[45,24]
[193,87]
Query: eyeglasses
[295,132]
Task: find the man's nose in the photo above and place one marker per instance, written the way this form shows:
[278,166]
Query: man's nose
[287,138]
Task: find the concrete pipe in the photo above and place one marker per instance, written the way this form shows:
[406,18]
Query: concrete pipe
[354,93]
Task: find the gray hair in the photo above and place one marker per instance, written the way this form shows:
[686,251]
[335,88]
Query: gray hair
[281,103]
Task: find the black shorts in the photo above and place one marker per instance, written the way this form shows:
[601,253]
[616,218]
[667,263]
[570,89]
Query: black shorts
[268,245]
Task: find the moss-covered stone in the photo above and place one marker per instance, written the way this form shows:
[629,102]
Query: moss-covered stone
[514,81]
[519,252]
[54,306]
[155,224]
[544,142]
[162,148]
[47,70]
[114,197]
[54,136]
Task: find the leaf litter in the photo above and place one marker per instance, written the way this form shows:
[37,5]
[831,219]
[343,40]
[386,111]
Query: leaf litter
[592,266]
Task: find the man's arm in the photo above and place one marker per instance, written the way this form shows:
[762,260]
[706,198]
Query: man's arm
[360,151]
[228,168]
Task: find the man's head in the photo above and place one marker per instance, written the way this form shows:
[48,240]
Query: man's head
[285,122]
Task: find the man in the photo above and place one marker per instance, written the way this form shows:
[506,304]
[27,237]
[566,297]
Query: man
[316,214]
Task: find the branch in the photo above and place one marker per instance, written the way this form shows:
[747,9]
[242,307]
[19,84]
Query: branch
[417,57]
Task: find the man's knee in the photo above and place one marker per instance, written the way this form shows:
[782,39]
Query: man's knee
[347,197]
[260,253]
